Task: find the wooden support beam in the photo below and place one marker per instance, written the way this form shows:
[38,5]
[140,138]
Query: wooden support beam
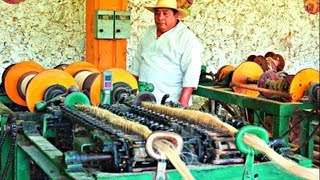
[104,53]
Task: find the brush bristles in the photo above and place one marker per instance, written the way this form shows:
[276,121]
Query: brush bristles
[143,131]
[249,139]
[130,126]
[193,116]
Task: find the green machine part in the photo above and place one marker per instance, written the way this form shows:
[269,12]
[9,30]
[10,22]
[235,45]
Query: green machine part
[281,112]
[34,148]
[76,98]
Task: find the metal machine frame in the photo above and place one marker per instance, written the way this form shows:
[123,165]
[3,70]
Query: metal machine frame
[281,111]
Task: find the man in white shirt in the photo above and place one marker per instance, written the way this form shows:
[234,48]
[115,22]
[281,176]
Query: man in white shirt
[168,58]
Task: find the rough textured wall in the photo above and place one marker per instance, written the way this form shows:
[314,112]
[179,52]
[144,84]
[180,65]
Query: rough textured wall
[53,32]
[49,32]
[232,30]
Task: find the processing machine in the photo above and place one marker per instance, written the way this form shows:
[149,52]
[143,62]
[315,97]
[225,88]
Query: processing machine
[50,129]
[89,120]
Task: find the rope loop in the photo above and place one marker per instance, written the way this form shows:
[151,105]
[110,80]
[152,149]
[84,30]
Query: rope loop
[172,139]
[256,130]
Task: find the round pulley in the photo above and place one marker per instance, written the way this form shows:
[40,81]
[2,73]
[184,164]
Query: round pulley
[39,85]
[265,81]
[76,98]
[92,86]
[120,91]
[76,67]
[17,78]
[80,71]
[223,72]
[144,96]
[251,58]
[5,72]
[269,54]
[301,81]
[280,61]
[54,91]
[246,73]
[313,93]
[262,62]
[274,61]
[282,74]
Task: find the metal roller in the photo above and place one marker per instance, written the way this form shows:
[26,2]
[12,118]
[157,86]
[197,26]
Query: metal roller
[47,85]
[302,81]
[247,74]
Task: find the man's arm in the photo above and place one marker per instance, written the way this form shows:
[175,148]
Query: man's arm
[185,96]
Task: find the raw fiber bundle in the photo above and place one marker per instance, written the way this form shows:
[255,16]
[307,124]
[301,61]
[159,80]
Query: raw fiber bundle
[251,140]
[143,131]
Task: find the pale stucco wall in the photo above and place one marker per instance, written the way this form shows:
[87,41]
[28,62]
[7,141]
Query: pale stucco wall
[53,32]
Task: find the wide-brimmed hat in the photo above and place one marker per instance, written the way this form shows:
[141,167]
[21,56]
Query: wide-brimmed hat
[172,4]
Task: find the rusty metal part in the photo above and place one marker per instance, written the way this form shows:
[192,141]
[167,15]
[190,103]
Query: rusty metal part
[280,61]
[170,137]
[247,73]
[223,72]
[267,91]
[268,80]
[262,62]
[269,54]
[282,74]
[313,93]
[270,61]
[251,58]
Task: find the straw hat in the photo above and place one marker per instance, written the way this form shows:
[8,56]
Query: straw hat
[172,4]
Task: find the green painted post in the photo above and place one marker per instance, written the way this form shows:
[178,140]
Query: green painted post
[280,124]
[306,129]
[22,165]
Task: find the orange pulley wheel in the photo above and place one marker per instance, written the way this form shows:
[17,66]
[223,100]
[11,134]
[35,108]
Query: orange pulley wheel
[44,80]
[301,81]
[17,78]
[76,67]
[247,73]
[80,71]
[92,85]
[224,71]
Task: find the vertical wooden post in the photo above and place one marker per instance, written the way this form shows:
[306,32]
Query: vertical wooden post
[104,53]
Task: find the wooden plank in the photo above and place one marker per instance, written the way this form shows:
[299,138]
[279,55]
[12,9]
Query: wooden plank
[104,53]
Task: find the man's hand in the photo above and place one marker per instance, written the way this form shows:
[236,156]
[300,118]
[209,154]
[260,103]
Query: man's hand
[185,96]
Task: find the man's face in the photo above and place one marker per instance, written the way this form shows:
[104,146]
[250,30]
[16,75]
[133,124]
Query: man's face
[165,19]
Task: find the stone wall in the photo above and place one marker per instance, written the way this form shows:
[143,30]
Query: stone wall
[53,32]
[232,30]
[49,32]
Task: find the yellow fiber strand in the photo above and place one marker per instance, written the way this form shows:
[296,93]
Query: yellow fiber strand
[250,139]
[193,116]
[143,131]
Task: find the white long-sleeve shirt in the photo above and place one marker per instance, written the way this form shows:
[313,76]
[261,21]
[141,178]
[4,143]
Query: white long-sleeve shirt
[170,62]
